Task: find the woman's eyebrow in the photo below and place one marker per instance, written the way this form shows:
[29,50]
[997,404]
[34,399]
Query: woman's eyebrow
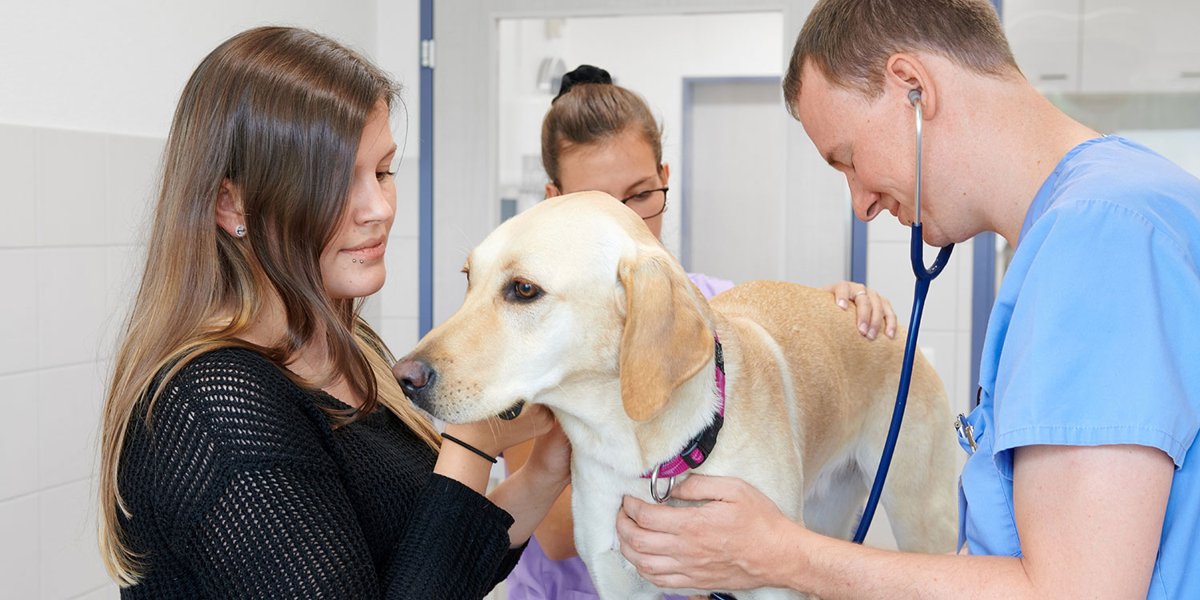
[640,182]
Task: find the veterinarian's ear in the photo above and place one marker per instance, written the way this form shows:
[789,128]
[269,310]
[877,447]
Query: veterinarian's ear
[666,339]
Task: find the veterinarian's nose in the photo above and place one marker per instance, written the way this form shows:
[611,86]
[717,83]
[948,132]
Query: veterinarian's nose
[414,375]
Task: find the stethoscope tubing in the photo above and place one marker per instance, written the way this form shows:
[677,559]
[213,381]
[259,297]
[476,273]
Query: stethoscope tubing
[921,290]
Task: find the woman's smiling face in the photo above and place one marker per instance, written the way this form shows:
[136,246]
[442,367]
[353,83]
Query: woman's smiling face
[352,264]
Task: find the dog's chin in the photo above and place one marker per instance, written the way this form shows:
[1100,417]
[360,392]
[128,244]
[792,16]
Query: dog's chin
[459,414]
[449,414]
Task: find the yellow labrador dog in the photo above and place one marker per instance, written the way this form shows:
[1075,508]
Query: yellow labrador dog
[575,305]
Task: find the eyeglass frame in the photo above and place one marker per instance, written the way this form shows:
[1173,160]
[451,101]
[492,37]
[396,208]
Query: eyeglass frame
[663,189]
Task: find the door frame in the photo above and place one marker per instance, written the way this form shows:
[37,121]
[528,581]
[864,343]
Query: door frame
[685,139]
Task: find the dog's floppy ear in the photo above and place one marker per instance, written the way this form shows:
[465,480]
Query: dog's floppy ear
[666,339]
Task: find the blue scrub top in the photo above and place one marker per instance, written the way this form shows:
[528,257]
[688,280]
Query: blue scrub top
[1095,339]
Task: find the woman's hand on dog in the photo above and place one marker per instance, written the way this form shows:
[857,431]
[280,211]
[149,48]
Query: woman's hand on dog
[550,459]
[731,542]
[530,492]
[490,437]
[875,312]
[493,435]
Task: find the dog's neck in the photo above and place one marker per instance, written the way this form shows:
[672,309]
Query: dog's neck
[600,430]
[697,448]
[693,407]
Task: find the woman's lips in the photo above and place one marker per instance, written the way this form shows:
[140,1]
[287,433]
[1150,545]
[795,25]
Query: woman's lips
[371,252]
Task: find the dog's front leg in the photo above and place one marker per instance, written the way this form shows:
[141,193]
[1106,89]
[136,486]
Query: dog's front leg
[595,502]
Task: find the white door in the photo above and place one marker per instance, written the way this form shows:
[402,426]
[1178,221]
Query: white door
[735,131]
[466,199]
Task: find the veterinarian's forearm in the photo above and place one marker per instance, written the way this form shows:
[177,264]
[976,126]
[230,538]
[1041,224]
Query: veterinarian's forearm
[834,569]
[527,495]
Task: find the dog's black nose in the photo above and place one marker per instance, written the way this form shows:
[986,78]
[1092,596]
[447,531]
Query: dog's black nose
[414,375]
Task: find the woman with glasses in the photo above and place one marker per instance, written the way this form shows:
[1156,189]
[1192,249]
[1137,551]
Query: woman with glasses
[601,136]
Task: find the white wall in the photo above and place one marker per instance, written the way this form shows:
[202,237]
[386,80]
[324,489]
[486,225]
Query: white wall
[87,94]
[119,65]
[396,310]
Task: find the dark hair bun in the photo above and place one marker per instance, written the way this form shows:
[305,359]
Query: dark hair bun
[582,74]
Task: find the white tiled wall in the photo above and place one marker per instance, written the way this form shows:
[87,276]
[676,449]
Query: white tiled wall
[78,171]
[74,205]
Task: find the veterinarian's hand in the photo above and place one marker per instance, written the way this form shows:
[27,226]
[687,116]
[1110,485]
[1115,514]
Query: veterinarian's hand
[875,312]
[494,434]
[729,543]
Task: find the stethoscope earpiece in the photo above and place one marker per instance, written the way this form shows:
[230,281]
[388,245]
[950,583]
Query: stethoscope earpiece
[914,96]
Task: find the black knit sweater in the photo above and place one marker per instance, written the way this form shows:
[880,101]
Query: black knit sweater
[240,488]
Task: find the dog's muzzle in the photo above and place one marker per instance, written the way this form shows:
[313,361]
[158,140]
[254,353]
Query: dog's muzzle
[415,377]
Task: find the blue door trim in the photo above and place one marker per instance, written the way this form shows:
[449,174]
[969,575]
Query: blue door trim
[858,249]
[425,183]
[983,284]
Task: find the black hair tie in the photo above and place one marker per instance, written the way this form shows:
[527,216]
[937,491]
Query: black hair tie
[477,451]
[582,74]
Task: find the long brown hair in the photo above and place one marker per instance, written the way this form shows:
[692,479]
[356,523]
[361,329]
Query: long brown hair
[279,113]
[592,111]
[850,41]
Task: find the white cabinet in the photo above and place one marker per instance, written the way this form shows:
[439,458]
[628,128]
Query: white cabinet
[1140,46]
[1044,36]
[1106,46]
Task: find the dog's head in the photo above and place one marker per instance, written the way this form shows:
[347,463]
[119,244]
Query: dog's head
[571,296]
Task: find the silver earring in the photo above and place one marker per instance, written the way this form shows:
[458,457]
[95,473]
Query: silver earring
[240,231]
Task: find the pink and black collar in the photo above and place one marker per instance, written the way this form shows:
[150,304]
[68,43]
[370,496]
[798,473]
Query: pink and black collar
[700,447]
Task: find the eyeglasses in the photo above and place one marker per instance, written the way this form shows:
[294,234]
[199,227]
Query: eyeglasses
[648,204]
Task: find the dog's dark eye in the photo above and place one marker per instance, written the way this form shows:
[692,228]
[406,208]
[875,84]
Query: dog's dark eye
[524,291]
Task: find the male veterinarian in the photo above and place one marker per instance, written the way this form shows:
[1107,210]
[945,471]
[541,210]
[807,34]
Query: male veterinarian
[1085,481]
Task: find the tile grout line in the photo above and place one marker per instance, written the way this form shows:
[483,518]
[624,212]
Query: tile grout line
[37,360]
[75,246]
[37,370]
[95,589]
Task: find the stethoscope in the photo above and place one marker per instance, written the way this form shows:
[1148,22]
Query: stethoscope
[924,276]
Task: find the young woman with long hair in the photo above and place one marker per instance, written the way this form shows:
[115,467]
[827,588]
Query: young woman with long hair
[255,443]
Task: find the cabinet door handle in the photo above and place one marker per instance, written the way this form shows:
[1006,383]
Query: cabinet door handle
[1190,75]
[1053,77]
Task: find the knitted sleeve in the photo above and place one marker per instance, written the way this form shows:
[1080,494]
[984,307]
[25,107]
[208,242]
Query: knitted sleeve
[247,494]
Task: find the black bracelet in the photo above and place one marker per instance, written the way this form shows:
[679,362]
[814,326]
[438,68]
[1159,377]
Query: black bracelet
[481,453]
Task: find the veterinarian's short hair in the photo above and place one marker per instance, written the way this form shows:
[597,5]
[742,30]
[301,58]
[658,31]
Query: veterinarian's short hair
[850,41]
